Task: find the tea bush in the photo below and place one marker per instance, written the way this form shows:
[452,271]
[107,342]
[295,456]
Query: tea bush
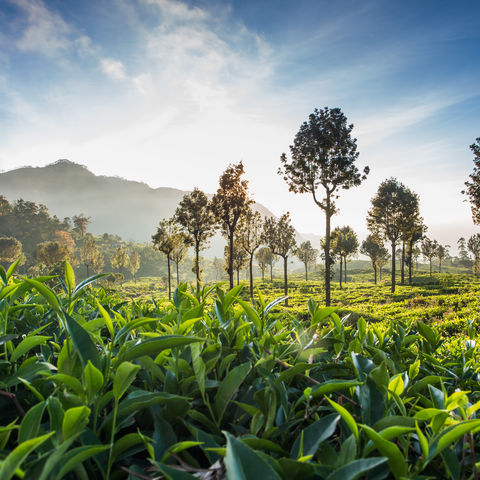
[210,385]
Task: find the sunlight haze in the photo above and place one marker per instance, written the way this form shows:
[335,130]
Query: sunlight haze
[170,92]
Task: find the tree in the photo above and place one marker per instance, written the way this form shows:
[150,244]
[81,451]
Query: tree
[442,253]
[373,248]
[387,218]
[264,258]
[429,250]
[166,239]
[120,259]
[306,254]
[279,235]
[239,260]
[90,256]
[217,264]
[465,260]
[413,230]
[195,217]
[473,187]
[473,246]
[345,245]
[414,235]
[10,249]
[52,254]
[323,156]
[229,205]
[179,253]
[80,224]
[249,238]
[133,264]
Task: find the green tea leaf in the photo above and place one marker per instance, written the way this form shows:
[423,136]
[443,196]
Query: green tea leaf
[74,421]
[124,377]
[243,463]
[17,456]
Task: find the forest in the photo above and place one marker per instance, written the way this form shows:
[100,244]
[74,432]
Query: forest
[137,361]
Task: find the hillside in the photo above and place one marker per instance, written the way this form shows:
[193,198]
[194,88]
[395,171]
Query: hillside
[115,205]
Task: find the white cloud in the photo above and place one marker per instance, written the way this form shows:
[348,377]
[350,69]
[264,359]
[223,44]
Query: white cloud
[47,33]
[113,68]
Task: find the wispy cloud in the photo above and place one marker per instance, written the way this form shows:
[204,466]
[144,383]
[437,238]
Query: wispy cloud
[46,32]
[113,68]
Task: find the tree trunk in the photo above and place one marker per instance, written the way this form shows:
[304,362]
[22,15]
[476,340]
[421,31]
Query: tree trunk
[251,276]
[402,265]
[169,278]
[230,260]
[439,265]
[410,262]
[327,252]
[393,267]
[345,269]
[430,267]
[285,282]
[271,272]
[341,271]
[375,273]
[263,274]
[197,264]
[306,272]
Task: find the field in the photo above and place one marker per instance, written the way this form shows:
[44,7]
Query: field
[104,384]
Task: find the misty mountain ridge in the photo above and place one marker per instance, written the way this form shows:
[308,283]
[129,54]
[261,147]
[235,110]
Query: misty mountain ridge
[115,205]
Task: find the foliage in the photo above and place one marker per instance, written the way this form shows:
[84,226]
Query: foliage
[230,205]
[10,249]
[94,387]
[430,250]
[195,217]
[394,214]
[473,186]
[306,254]
[279,235]
[373,248]
[323,156]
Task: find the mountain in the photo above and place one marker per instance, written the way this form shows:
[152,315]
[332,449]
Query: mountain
[115,205]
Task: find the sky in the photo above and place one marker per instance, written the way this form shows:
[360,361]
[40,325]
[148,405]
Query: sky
[171,92]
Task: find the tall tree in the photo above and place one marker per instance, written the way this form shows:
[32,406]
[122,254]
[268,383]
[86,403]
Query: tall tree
[373,248]
[239,260]
[279,235]
[120,259]
[414,235]
[166,240]
[179,253]
[229,205]
[346,245]
[250,238]
[429,250]
[465,259]
[194,215]
[90,255]
[306,254]
[473,246]
[323,156]
[133,264]
[473,187]
[264,258]
[387,217]
[442,253]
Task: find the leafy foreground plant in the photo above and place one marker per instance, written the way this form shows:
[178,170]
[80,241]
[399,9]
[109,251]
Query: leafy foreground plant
[210,386]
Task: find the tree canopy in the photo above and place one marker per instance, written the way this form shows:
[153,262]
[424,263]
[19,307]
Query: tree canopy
[473,186]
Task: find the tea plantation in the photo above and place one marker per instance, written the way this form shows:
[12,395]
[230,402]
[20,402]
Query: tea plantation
[99,385]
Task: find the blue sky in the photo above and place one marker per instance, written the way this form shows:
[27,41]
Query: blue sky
[170,92]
